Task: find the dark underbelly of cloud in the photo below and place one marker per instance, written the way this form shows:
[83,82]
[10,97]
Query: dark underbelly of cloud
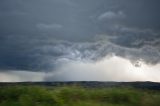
[42,36]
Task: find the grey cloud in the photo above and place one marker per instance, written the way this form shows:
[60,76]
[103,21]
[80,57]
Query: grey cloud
[104,70]
[42,34]
[93,51]
[49,26]
[20,76]
[47,53]
[12,13]
[111,15]
[136,38]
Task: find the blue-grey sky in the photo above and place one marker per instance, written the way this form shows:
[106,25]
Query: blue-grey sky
[45,39]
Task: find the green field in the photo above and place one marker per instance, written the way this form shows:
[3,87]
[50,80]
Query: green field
[77,96]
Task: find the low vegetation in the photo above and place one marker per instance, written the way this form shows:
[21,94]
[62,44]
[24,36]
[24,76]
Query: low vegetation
[77,96]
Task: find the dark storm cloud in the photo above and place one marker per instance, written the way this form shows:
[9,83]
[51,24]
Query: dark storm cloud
[38,35]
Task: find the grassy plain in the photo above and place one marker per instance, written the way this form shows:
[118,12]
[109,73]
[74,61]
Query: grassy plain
[77,96]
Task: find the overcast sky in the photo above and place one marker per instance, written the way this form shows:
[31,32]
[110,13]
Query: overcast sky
[79,40]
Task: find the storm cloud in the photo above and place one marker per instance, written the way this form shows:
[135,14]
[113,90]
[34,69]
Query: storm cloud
[43,36]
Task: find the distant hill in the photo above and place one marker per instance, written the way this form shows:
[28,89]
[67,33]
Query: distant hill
[93,84]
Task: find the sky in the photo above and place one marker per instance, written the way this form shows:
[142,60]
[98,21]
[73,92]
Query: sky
[79,40]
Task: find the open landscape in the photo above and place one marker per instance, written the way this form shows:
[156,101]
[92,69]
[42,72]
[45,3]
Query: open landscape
[79,53]
[80,94]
